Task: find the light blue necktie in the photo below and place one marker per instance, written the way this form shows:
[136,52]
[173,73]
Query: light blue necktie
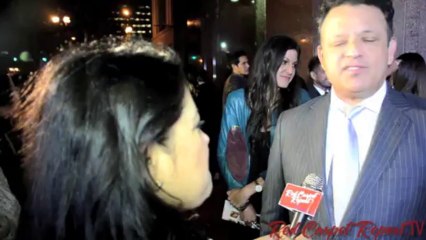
[345,167]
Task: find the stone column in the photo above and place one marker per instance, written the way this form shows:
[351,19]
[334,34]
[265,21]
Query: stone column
[260,21]
[410,26]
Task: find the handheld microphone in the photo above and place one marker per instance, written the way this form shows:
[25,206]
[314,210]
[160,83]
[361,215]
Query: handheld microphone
[304,201]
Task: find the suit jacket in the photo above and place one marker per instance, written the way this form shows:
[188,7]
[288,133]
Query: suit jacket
[312,91]
[391,188]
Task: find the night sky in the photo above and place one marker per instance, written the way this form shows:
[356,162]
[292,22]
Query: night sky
[25,25]
[21,19]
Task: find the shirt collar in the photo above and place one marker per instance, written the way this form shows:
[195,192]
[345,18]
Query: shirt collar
[319,89]
[373,103]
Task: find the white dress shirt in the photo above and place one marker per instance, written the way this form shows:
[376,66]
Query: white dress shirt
[364,124]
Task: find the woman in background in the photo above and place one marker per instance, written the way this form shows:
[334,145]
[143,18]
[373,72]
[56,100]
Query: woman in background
[113,146]
[410,75]
[249,119]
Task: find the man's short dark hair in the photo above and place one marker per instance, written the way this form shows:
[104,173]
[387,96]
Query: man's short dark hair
[234,57]
[384,5]
[313,63]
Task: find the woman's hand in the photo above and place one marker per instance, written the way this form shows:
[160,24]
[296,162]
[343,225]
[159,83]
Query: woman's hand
[238,197]
[248,215]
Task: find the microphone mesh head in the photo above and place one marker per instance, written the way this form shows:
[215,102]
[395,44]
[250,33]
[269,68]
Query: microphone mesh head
[314,182]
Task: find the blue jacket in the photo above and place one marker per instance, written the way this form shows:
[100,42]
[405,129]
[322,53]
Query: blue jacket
[235,115]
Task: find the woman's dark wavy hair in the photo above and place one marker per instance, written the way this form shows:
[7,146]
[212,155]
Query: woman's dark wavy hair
[88,119]
[263,95]
[411,74]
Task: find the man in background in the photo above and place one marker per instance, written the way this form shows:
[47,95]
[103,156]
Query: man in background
[240,69]
[319,82]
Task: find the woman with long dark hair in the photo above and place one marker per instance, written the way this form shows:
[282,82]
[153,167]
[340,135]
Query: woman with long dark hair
[113,146]
[249,118]
[410,75]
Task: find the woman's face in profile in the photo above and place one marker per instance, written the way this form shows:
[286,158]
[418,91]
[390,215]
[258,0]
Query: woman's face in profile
[183,168]
[287,69]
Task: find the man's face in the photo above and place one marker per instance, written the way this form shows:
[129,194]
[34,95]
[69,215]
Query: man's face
[242,67]
[319,77]
[355,50]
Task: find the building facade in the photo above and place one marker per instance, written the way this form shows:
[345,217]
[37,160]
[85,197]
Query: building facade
[133,19]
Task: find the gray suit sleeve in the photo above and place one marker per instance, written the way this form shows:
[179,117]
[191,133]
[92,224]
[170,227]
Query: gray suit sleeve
[274,183]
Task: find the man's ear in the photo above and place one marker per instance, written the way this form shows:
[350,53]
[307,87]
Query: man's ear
[320,55]
[313,75]
[233,67]
[392,50]
[160,163]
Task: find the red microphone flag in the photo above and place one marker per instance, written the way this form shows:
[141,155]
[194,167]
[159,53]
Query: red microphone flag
[300,199]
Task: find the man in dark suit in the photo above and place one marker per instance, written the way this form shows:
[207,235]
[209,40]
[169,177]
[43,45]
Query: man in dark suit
[367,141]
[319,84]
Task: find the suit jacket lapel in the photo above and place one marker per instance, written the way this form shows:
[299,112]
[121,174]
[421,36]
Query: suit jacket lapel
[390,128]
[313,92]
[317,142]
